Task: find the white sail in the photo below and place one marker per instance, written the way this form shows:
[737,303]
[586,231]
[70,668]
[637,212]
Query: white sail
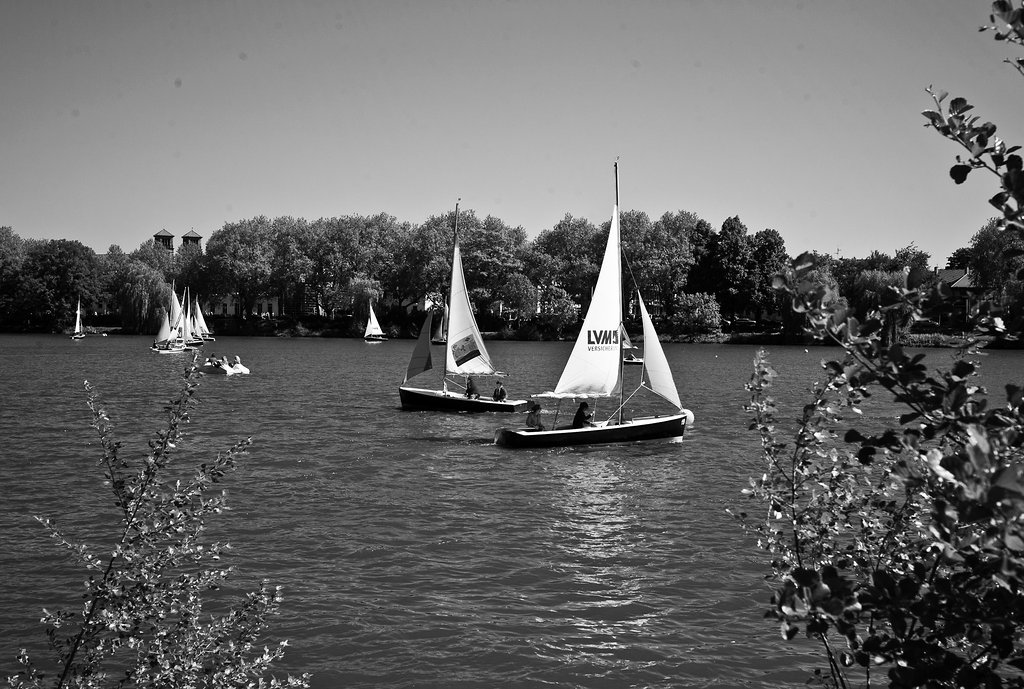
[659,375]
[176,317]
[372,326]
[188,333]
[164,334]
[626,344]
[465,352]
[594,368]
[202,329]
[79,330]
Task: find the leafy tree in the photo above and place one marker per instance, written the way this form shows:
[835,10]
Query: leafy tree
[143,623]
[519,295]
[426,258]
[383,236]
[734,257]
[961,258]
[670,242]
[12,255]
[768,257]
[558,312]
[55,274]
[156,257]
[239,257]
[491,255]
[900,549]
[574,245]
[190,269]
[697,314]
[995,256]
[290,265]
[703,240]
[136,290]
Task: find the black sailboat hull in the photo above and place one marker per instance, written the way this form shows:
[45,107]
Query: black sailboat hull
[648,428]
[439,400]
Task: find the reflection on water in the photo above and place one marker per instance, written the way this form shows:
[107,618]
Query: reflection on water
[413,552]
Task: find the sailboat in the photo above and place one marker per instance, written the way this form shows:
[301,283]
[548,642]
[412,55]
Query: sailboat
[440,336]
[465,354]
[199,323]
[190,328]
[165,342]
[373,333]
[628,357]
[594,369]
[79,333]
[171,338]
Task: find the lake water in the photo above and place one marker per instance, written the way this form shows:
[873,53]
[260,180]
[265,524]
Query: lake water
[412,551]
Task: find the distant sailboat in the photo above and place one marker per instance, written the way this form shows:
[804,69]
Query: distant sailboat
[440,333]
[199,323]
[373,332]
[79,333]
[465,354]
[171,337]
[594,369]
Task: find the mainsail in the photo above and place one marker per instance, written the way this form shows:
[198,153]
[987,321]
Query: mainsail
[465,353]
[594,368]
[372,326]
[164,334]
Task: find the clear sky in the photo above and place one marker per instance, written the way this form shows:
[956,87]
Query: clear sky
[122,118]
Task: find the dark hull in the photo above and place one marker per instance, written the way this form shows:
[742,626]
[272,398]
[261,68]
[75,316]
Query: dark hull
[632,431]
[375,338]
[437,400]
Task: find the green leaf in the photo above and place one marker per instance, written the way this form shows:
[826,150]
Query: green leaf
[959,173]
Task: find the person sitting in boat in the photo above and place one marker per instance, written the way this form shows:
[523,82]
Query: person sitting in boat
[238,366]
[471,391]
[582,417]
[212,360]
[499,392]
[533,418]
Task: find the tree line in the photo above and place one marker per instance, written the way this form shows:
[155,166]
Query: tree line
[694,278]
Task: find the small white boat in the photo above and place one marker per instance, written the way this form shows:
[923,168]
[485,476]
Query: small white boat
[79,333]
[222,367]
[373,332]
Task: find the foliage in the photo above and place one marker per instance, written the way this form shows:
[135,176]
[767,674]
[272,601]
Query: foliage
[143,622]
[239,259]
[899,546]
[12,255]
[54,275]
[905,543]
[696,314]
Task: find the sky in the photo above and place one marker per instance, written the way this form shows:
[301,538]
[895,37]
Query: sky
[119,119]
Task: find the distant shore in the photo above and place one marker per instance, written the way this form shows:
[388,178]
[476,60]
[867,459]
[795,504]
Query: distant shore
[269,328]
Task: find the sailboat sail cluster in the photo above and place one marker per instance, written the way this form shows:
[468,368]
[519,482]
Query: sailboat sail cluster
[183,327]
[594,368]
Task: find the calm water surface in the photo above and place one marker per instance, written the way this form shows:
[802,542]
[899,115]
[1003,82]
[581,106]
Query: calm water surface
[413,552]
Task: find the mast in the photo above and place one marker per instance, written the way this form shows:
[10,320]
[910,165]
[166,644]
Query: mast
[451,286]
[615,166]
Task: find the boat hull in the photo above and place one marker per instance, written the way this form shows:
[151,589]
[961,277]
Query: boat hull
[647,428]
[375,338]
[439,400]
